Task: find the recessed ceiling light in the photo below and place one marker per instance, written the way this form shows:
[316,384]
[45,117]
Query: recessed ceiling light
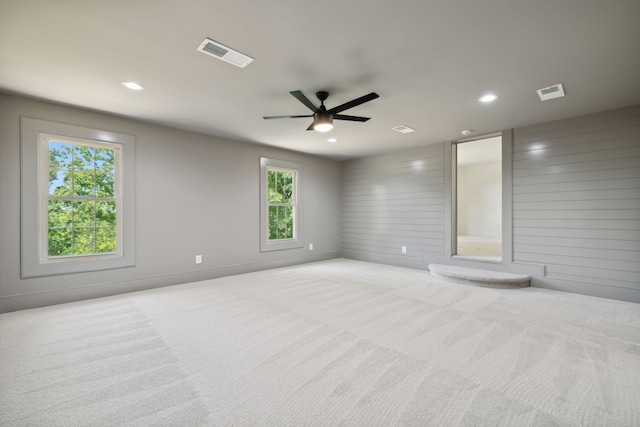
[132,85]
[467,132]
[489,97]
[332,140]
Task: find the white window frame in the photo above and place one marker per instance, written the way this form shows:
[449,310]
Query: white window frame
[34,258]
[43,158]
[297,241]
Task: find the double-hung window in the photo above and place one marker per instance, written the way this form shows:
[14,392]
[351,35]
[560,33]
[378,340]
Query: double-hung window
[82,207]
[78,199]
[280,205]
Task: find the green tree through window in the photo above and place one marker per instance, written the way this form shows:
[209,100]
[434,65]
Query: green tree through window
[281,203]
[81,201]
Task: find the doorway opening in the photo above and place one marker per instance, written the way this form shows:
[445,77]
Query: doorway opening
[477,178]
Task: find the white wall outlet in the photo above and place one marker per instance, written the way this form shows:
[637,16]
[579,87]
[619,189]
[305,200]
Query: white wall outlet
[198,259]
[310,246]
[404,249]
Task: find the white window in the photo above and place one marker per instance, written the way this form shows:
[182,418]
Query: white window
[81,202]
[280,211]
[78,199]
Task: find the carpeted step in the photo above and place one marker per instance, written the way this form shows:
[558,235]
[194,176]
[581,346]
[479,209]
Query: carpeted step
[477,277]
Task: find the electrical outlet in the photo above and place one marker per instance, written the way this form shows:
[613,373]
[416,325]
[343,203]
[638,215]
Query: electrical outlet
[404,249]
[198,259]
[310,246]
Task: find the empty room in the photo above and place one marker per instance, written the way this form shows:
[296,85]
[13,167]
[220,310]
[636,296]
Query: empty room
[292,213]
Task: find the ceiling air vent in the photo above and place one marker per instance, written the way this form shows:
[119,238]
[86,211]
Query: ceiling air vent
[550,92]
[403,129]
[225,53]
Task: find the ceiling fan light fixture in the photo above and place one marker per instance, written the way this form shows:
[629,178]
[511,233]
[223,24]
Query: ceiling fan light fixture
[323,122]
[323,127]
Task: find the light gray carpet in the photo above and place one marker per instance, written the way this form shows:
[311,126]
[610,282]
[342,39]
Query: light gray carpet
[339,342]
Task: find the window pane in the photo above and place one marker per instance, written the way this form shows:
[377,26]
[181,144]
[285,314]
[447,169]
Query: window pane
[84,183]
[273,222]
[288,223]
[60,155]
[60,159]
[83,171]
[105,240]
[105,185]
[83,240]
[285,225]
[105,159]
[291,221]
[84,214]
[280,222]
[59,241]
[272,179]
[60,213]
[105,172]
[83,157]
[57,184]
[105,214]
[286,187]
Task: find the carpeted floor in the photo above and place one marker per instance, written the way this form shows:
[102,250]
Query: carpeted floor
[339,342]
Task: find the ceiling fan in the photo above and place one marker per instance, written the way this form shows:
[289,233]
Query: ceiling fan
[323,118]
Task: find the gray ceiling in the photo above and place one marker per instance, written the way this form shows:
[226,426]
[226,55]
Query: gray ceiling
[429,61]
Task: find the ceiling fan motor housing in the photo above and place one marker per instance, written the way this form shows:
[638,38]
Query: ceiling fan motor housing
[322,95]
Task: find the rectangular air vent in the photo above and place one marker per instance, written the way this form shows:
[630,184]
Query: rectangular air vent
[403,129]
[550,92]
[225,53]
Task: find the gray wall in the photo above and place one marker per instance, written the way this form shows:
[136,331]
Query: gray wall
[196,194]
[575,198]
[394,200]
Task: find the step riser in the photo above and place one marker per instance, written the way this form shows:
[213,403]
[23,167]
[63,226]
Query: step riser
[484,284]
[476,277]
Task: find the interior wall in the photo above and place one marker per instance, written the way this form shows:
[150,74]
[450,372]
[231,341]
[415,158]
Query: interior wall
[196,195]
[576,206]
[479,189]
[394,200]
[576,199]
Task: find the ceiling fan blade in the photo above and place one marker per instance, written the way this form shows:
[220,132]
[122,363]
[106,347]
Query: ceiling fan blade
[350,118]
[355,102]
[286,117]
[311,126]
[304,98]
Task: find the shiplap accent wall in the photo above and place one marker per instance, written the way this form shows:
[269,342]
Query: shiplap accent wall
[394,200]
[576,198]
[575,195]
